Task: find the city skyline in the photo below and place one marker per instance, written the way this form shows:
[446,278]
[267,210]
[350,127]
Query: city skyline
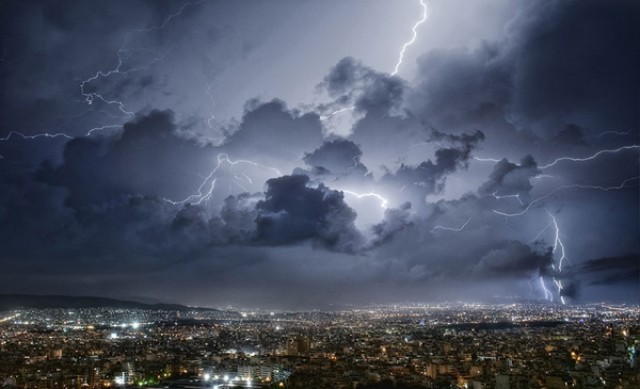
[299,154]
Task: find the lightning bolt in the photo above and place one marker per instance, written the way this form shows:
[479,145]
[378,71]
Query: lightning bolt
[540,233]
[547,293]
[567,187]
[400,57]
[121,54]
[383,201]
[487,159]
[452,228]
[558,243]
[205,190]
[541,176]
[620,133]
[36,136]
[413,39]
[325,117]
[594,156]
[497,197]
[91,131]
[53,135]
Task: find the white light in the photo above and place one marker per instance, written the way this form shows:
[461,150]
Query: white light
[207,376]
[225,378]
[383,201]
[114,335]
[135,325]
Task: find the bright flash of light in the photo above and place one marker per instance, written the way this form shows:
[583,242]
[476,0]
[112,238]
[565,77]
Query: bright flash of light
[383,201]
[486,159]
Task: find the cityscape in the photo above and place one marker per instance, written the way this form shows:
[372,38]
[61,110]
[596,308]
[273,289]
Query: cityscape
[413,346]
[319,194]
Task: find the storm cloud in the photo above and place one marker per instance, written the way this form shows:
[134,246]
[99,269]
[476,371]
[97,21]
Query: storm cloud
[188,146]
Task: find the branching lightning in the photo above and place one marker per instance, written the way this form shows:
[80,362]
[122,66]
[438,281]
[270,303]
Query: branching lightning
[557,268]
[413,39]
[90,97]
[547,293]
[205,190]
[567,187]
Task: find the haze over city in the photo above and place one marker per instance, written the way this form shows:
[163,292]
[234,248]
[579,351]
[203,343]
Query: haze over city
[314,154]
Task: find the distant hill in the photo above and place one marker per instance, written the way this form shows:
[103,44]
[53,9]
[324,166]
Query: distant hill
[15,301]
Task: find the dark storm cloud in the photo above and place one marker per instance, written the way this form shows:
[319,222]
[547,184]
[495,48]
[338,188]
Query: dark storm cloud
[395,220]
[425,241]
[513,259]
[344,76]
[293,211]
[580,60]
[147,158]
[563,64]
[428,177]
[63,36]
[623,269]
[508,178]
[372,92]
[270,133]
[339,157]
[571,135]
[104,207]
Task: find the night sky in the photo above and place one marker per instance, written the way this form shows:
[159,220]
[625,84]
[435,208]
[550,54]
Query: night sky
[309,154]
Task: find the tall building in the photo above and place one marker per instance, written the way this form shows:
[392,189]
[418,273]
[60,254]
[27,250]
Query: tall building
[298,345]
